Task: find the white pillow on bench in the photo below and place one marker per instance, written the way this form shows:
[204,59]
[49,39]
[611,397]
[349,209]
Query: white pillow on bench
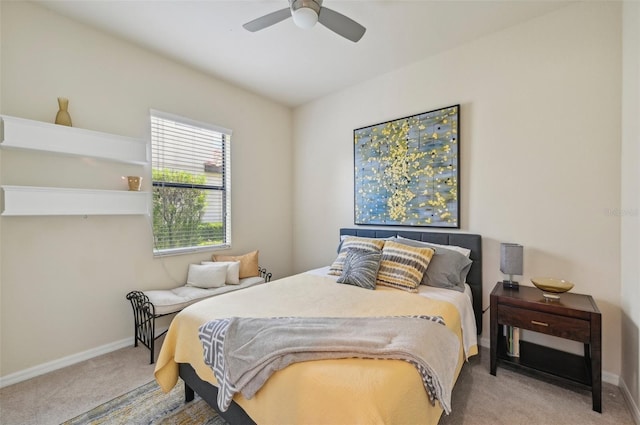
[206,275]
[233,271]
[172,300]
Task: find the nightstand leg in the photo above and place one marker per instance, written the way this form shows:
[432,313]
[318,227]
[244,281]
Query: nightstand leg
[494,336]
[596,362]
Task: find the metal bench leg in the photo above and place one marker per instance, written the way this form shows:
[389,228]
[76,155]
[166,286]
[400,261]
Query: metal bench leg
[144,319]
[152,340]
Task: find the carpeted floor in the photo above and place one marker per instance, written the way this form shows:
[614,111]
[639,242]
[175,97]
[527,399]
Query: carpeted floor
[510,398]
[514,398]
[54,397]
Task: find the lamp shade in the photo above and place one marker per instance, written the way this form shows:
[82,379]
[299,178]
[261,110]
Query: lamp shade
[511,258]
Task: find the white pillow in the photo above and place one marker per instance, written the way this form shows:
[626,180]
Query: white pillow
[207,275]
[464,251]
[233,271]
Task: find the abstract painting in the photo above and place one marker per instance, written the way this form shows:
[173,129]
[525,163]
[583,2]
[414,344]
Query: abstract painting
[406,171]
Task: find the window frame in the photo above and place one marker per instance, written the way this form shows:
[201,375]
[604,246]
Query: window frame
[224,188]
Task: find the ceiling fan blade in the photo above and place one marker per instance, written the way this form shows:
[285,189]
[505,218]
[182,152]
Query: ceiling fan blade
[340,24]
[268,20]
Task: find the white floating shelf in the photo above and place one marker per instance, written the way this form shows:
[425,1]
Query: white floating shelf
[37,135]
[39,201]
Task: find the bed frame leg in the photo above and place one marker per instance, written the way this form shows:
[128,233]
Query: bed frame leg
[189,394]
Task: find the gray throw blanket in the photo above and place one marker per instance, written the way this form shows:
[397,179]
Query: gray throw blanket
[245,352]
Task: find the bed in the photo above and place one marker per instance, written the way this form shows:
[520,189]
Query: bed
[322,391]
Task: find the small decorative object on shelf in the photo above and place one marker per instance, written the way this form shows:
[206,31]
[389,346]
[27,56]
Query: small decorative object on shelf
[551,287]
[134,182]
[63,117]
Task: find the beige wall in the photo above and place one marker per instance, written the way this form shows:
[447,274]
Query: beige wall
[630,206]
[64,279]
[540,151]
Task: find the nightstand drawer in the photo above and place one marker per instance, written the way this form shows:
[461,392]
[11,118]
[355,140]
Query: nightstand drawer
[551,324]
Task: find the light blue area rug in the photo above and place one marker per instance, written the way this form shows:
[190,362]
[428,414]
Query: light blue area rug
[149,405]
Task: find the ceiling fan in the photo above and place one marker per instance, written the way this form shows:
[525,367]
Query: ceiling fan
[305,14]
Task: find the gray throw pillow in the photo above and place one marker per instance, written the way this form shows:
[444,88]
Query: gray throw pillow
[447,269]
[361,268]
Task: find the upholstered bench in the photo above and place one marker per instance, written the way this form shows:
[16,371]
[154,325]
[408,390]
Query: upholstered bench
[150,305]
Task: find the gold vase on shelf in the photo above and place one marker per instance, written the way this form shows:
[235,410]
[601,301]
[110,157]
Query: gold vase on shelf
[134,182]
[63,117]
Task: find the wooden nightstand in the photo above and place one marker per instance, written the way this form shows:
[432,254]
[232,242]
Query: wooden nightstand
[573,316]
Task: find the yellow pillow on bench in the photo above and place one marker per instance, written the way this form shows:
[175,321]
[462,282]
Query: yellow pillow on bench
[248,263]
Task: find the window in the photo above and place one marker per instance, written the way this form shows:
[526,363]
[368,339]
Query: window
[191,185]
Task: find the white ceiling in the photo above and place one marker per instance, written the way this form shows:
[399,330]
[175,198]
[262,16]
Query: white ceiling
[288,64]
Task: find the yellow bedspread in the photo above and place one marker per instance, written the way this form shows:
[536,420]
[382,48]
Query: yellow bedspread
[346,391]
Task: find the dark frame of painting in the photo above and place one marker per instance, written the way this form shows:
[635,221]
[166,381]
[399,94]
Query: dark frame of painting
[406,171]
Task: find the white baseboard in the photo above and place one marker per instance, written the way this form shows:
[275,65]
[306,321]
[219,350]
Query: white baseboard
[607,377]
[41,369]
[633,406]
[32,372]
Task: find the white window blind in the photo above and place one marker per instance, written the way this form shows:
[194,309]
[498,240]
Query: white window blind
[191,184]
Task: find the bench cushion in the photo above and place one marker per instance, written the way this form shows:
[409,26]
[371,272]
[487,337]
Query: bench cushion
[173,300]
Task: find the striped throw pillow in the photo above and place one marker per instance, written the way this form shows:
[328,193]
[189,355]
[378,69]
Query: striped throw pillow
[402,266]
[361,268]
[367,244]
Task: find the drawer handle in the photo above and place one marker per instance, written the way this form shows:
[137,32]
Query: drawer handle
[535,322]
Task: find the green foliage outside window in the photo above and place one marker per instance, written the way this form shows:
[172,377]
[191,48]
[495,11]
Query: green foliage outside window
[210,234]
[178,212]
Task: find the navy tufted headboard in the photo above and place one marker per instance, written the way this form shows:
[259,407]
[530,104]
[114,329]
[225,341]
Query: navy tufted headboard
[465,240]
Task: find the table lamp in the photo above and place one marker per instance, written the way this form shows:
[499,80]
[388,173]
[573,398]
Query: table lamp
[511,263]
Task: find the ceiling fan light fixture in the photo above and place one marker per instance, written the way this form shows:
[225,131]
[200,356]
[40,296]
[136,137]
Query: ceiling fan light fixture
[305,17]
[305,14]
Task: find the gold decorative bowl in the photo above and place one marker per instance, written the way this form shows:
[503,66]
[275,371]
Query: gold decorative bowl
[550,286]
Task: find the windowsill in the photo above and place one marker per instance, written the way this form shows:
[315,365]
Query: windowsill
[190,250]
